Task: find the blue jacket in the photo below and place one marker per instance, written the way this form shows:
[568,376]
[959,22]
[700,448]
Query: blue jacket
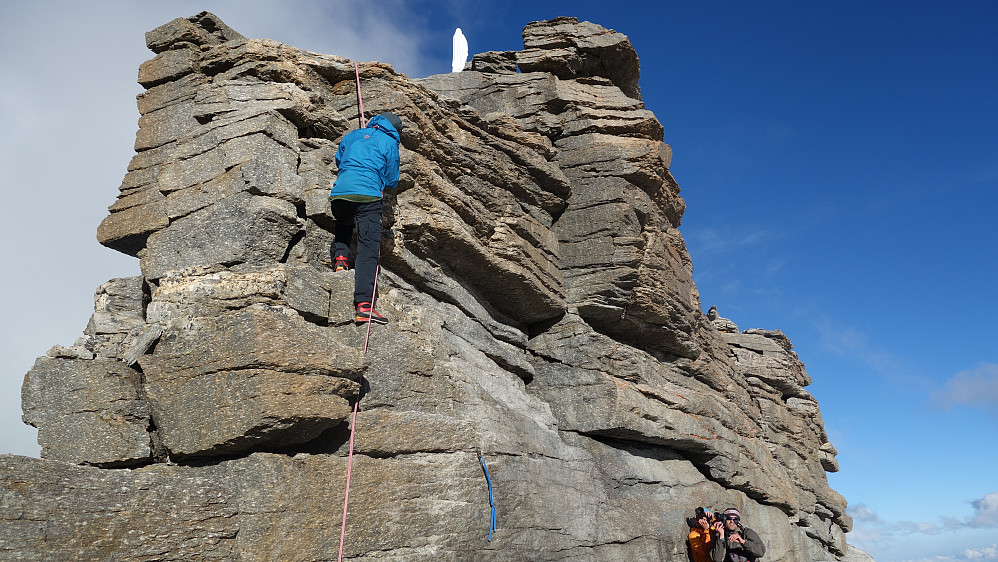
[368,160]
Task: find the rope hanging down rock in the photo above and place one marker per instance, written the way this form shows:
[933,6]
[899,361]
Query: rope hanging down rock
[356,404]
[346,494]
[360,100]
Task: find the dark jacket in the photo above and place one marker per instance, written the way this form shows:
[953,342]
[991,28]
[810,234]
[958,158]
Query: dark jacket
[368,160]
[725,551]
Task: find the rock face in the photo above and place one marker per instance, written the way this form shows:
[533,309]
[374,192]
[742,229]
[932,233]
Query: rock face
[543,315]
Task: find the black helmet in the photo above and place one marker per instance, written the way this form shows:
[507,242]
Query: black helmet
[394,120]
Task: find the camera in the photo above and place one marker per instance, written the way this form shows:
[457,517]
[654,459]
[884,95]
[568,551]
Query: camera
[704,513]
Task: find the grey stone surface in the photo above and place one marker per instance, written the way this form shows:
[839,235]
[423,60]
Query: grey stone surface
[118,307]
[543,314]
[66,512]
[88,412]
[239,229]
[721,324]
[202,29]
[167,66]
[495,62]
[854,554]
[142,344]
[567,47]
[237,356]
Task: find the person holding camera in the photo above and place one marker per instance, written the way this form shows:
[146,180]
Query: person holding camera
[699,541]
[735,543]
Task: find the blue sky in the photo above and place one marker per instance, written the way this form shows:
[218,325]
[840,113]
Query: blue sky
[839,161]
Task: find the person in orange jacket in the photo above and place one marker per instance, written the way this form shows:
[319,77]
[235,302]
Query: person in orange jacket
[701,536]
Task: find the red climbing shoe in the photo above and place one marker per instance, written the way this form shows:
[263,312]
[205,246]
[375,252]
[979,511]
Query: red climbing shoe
[365,313]
[340,264]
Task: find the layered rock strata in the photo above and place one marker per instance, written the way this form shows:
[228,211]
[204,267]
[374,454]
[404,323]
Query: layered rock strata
[543,314]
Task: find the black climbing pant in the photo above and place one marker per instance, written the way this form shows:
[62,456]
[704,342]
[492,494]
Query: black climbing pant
[367,219]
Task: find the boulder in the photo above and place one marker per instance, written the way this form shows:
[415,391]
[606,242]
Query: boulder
[87,412]
[567,47]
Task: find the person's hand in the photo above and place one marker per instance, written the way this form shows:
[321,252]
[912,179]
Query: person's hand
[703,523]
[719,528]
[736,538]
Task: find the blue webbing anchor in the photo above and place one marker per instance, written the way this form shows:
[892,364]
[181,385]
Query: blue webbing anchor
[492,502]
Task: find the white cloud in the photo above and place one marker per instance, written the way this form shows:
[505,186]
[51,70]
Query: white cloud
[987,553]
[973,387]
[386,31]
[872,533]
[869,529]
[863,513]
[923,527]
[985,511]
[982,554]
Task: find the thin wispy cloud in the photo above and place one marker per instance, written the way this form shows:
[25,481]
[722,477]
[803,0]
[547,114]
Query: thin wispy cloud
[863,513]
[727,250]
[717,241]
[976,387]
[871,531]
[854,342]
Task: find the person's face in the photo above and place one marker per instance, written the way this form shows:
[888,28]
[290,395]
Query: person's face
[731,523]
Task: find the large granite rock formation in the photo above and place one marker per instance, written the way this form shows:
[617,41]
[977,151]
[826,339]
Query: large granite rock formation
[543,315]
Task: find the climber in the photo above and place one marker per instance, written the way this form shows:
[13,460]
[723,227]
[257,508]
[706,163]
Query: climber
[701,537]
[368,163]
[735,543]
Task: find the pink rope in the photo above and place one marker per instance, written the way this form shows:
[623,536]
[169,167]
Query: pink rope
[353,421]
[360,100]
[346,494]
[374,297]
[356,404]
